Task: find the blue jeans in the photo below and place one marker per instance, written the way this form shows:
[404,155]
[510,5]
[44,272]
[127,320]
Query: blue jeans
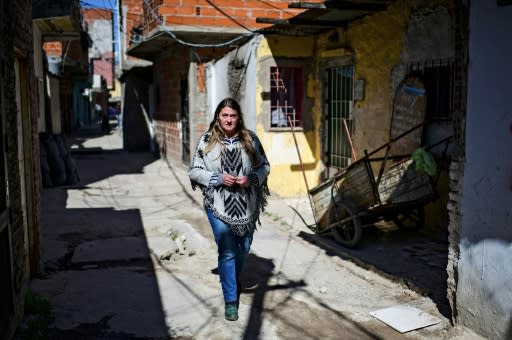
[232,251]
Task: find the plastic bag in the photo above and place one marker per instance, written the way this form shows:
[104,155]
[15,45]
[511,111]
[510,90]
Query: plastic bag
[424,161]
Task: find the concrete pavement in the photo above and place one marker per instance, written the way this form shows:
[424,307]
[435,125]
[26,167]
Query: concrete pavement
[128,254]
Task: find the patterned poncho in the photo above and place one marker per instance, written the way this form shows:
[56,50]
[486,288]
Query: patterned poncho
[236,206]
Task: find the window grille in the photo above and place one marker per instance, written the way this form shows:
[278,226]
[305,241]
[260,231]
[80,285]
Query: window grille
[438,79]
[151,10]
[338,94]
[286,96]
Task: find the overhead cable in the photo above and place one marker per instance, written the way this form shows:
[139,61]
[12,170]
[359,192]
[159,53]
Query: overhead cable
[189,44]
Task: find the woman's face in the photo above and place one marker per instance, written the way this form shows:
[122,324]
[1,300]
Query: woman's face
[228,119]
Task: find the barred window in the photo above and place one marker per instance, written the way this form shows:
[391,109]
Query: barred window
[286,96]
[438,80]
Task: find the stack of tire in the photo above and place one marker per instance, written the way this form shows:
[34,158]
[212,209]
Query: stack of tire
[57,166]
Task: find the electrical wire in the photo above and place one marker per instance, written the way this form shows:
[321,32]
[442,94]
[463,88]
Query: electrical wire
[189,44]
[227,15]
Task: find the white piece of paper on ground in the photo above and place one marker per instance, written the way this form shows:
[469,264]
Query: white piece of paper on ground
[405,318]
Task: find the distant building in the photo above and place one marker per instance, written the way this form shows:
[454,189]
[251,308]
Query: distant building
[99,26]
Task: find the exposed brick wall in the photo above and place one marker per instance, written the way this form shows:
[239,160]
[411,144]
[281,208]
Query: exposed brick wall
[170,68]
[168,139]
[150,9]
[53,49]
[458,161]
[456,173]
[216,13]
[134,18]
[90,14]
[16,30]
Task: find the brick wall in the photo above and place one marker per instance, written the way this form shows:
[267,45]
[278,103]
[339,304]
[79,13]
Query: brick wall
[134,18]
[456,172]
[96,14]
[170,68]
[16,30]
[168,139]
[23,43]
[218,13]
[53,49]
[458,161]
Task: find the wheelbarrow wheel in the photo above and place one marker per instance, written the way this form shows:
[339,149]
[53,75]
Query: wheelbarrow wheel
[410,219]
[347,233]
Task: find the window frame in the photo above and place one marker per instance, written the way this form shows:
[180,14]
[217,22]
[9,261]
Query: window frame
[419,68]
[302,68]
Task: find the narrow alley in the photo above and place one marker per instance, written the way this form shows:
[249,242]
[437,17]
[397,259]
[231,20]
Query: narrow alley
[128,254]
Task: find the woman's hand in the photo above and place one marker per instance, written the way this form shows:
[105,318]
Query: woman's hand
[243,181]
[228,179]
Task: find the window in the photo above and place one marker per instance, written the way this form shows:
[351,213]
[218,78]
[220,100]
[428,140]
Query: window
[338,104]
[286,96]
[437,78]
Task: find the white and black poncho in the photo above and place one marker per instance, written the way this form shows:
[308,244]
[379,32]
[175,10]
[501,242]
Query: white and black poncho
[236,206]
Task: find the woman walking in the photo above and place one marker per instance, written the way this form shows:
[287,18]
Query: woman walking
[230,167]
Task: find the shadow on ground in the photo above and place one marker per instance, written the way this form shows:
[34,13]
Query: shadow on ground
[271,297]
[412,257]
[99,277]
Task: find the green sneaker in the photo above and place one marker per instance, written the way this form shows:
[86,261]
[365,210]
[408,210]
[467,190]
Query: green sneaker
[231,311]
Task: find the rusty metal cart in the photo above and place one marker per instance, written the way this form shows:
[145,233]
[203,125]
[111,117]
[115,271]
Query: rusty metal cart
[374,188]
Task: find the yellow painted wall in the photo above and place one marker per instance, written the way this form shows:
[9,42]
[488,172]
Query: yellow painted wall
[287,178]
[375,43]
[116,93]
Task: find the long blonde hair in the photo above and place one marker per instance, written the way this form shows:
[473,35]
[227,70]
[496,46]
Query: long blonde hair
[217,133]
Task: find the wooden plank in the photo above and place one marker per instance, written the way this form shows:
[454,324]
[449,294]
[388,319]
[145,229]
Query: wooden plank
[403,183]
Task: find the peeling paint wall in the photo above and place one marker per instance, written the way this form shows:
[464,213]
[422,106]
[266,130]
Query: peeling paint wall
[286,177]
[383,45]
[377,42]
[380,47]
[235,76]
